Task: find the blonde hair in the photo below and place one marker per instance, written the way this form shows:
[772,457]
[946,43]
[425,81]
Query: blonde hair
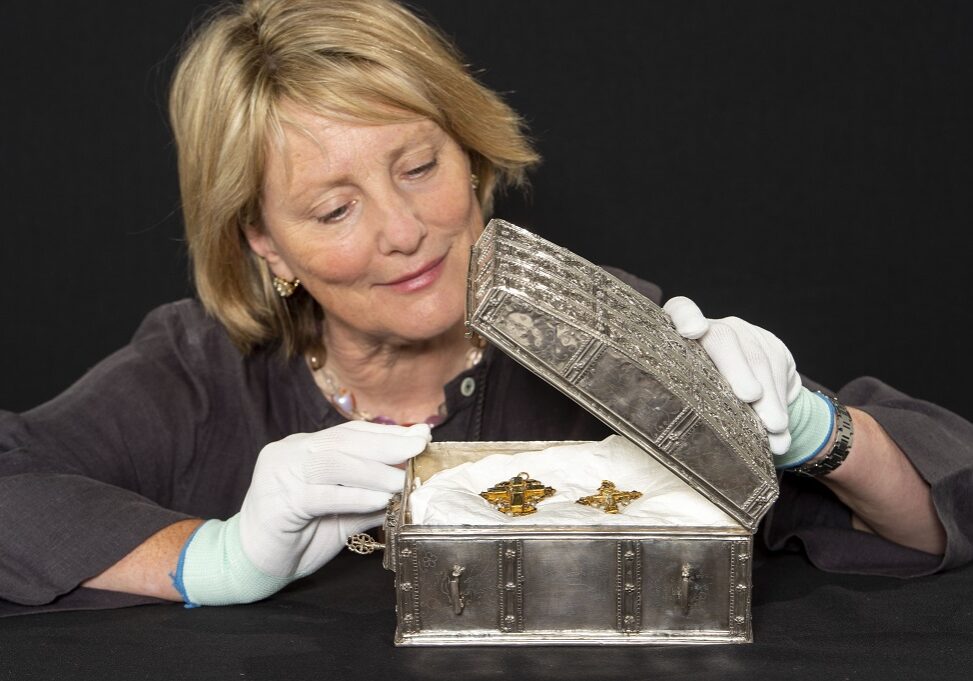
[367,60]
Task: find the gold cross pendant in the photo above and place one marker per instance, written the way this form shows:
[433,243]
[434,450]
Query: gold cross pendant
[517,496]
[608,498]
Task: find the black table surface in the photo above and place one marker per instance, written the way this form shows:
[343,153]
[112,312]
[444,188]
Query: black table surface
[339,623]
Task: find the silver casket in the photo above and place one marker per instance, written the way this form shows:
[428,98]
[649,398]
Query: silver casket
[618,355]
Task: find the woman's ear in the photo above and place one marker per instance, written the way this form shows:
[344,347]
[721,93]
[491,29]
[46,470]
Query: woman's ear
[264,246]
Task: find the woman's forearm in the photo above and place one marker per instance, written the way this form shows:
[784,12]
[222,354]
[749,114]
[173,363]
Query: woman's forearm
[146,570]
[884,491]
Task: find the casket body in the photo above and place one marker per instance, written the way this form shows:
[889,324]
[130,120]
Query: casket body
[615,353]
[568,585]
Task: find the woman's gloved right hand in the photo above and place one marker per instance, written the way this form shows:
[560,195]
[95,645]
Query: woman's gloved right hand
[309,492]
[761,371]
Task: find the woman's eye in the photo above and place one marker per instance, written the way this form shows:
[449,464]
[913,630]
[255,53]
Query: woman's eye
[338,213]
[419,171]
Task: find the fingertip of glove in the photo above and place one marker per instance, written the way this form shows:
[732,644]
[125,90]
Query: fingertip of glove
[677,302]
[422,429]
[693,330]
[747,390]
[775,423]
[780,443]
[353,523]
[687,318]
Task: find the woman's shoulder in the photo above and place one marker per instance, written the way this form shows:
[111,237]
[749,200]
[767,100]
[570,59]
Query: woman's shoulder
[186,318]
[187,329]
[182,337]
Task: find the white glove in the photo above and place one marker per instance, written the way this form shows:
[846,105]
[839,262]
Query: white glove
[309,492]
[756,364]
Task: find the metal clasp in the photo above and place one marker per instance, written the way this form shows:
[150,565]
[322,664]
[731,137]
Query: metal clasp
[455,595]
[363,544]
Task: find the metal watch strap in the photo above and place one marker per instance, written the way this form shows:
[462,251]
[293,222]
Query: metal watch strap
[844,434]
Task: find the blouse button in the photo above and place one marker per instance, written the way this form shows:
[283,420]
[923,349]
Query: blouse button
[468,386]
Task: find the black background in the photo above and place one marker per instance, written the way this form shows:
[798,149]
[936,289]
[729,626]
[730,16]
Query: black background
[803,165]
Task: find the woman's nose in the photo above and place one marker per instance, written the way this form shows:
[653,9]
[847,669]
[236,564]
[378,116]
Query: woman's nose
[403,228]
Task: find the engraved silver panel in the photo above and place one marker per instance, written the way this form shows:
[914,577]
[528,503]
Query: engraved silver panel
[568,585]
[615,352]
[476,586]
[687,585]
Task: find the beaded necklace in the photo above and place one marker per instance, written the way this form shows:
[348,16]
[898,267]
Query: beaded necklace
[343,399]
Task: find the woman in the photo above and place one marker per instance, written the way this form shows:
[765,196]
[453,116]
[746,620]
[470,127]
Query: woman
[336,163]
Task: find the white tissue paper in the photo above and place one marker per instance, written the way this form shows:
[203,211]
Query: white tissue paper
[451,497]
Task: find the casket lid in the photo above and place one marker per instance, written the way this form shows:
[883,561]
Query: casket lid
[615,352]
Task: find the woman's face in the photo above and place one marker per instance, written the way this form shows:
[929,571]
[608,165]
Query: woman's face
[375,220]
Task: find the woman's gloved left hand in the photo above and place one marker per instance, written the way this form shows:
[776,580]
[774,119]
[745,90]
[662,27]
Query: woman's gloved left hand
[761,371]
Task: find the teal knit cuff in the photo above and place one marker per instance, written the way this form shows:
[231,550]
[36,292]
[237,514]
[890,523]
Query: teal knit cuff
[811,422]
[214,570]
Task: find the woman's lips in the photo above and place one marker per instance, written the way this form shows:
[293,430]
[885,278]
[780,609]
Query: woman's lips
[420,279]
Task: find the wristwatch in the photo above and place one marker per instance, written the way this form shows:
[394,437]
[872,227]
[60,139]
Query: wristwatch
[844,434]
